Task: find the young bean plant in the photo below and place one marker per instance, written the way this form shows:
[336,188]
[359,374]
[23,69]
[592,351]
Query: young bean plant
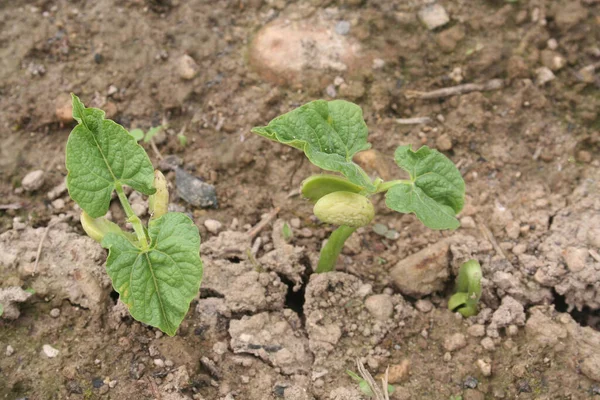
[468,289]
[330,133]
[156,269]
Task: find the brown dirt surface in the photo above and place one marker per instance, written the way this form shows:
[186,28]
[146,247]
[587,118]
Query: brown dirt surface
[524,132]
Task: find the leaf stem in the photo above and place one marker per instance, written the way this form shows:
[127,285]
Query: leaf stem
[131,217]
[333,247]
[385,186]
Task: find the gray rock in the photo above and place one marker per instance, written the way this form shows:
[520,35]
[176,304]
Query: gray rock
[33,181]
[342,28]
[433,16]
[195,191]
[424,272]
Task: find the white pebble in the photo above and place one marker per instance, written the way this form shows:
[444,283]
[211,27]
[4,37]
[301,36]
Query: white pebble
[213,226]
[9,350]
[33,180]
[55,313]
[50,351]
[159,363]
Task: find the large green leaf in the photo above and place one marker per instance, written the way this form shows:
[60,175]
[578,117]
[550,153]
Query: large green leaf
[158,284]
[329,133]
[101,154]
[436,190]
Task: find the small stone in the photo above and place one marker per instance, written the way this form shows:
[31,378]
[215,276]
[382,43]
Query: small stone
[169,363]
[552,44]
[467,223]
[187,67]
[455,342]
[543,75]
[220,348]
[194,191]
[590,367]
[484,367]
[159,362]
[552,60]
[447,356]
[488,344]
[378,63]
[380,306]
[424,305]
[55,312]
[213,226]
[512,330]
[444,143]
[112,384]
[50,351]
[330,91]
[399,372]
[112,89]
[295,223]
[433,16]
[519,249]
[342,28]
[513,229]
[33,181]
[476,330]
[470,382]
[58,204]
[306,232]
[575,258]
[9,351]
[64,109]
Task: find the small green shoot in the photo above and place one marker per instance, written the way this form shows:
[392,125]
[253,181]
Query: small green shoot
[468,289]
[1,310]
[157,268]
[363,385]
[182,139]
[287,233]
[331,133]
[139,134]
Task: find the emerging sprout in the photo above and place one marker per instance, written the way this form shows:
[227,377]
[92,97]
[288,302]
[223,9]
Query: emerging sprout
[330,134]
[468,289]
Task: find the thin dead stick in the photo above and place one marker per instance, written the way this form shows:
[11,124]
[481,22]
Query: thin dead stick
[11,206]
[413,121]
[494,84]
[490,237]
[366,375]
[155,149]
[41,244]
[260,226]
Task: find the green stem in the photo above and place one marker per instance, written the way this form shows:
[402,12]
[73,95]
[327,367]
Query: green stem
[131,217]
[333,247]
[385,186]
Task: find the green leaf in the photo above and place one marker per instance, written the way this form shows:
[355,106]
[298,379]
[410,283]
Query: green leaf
[101,154]
[436,191]
[1,310]
[151,133]
[137,134]
[158,284]
[329,133]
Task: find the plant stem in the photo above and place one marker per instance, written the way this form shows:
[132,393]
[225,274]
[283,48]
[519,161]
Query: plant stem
[385,186]
[131,217]
[333,247]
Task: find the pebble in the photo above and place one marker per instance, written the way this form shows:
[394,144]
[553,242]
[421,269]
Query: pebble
[58,204]
[330,91]
[512,330]
[543,75]
[10,350]
[378,63]
[63,108]
[55,313]
[380,306]
[455,342]
[295,223]
[484,367]
[467,223]
[159,363]
[33,180]
[169,363]
[488,343]
[399,372]
[447,356]
[424,305]
[220,347]
[306,232]
[552,44]
[112,384]
[433,16]
[213,226]
[470,382]
[342,28]
[187,67]
[194,191]
[575,258]
[443,142]
[50,351]
[476,330]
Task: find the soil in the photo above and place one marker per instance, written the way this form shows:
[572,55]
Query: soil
[262,326]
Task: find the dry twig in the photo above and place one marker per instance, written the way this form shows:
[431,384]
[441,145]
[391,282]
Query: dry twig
[413,121]
[260,226]
[494,84]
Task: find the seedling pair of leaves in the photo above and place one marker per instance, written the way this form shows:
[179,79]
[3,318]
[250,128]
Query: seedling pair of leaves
[468,289]
[157,268]
[330,134]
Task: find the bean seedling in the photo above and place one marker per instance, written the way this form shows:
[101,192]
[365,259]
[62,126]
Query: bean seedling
[156,269]
[468,289]
[330,133]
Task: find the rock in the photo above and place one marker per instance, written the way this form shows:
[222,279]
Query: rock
[552,60]
[424,305]
[272,338]
[50,351]
[543,76]
[213,226]
[433,16]
[9,351]
[57,191]
[488,344]
[424,272]
[342,28]
[470,382]
[399,372]
[455,342]
[296,52]
[187,67]
[33,181]
[58,204]
[159,363]
[55,312]
[575,258]
[485,367]
[590,367]
[468,223]
[380,306]
[476,330]
[195,191]
[448,39]
[64,109]
[443,142]
[9,298]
